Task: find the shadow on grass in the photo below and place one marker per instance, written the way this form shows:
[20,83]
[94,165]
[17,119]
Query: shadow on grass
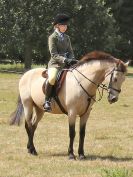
[63,154]
[58,154]
[90,157]
[125,105]
[110,158]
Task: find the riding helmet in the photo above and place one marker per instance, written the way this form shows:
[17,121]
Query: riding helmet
[61,19]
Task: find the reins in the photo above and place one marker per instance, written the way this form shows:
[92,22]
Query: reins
[102,86]
[99,86]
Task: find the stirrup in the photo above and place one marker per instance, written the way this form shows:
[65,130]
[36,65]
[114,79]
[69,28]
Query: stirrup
[47,106]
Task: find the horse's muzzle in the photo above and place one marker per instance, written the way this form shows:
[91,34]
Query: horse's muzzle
[112,99]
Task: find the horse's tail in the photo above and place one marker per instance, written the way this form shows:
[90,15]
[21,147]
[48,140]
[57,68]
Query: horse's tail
[16,116]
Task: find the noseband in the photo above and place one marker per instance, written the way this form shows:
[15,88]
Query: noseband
[110,87]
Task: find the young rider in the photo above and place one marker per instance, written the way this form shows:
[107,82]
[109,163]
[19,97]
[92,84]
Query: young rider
[61,54]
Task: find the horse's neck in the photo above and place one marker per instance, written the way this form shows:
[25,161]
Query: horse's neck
[95,71]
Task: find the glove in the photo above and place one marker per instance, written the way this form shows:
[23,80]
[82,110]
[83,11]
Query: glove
[70,62]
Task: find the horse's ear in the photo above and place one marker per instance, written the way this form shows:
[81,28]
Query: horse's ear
[128,62]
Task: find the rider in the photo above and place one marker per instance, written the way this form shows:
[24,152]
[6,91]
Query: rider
[61,54]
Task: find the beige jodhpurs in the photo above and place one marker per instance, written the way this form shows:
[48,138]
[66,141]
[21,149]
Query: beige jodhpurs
[52,74]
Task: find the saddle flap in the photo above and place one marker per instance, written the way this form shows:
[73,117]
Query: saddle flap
[59,81]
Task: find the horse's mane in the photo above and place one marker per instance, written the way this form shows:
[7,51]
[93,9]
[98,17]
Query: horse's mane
[99,55]
[96,55]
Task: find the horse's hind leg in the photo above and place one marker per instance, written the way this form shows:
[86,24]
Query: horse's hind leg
[28,111]
[31,124]
[30,145]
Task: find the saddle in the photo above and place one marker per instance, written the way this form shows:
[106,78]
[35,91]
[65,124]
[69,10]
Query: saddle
[59,80]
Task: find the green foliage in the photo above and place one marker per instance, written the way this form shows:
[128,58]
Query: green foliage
[93,28]
[116,173]
[122,11]
[26,25]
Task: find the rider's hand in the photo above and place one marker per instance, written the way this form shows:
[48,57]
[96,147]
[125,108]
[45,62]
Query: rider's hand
[70,61]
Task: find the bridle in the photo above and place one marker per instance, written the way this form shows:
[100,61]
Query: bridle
[110,87]
[99,86]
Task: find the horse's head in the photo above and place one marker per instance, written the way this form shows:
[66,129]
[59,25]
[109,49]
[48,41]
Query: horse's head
[116,80]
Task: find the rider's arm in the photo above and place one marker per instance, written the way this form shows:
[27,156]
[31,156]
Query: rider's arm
[53,50]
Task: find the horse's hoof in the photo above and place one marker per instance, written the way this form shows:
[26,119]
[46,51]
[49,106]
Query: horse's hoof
[72,157]
[82,157]
[32,152]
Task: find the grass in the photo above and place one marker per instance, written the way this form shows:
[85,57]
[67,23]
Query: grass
[108,142]
[18,67]
[12,67]
[116,173]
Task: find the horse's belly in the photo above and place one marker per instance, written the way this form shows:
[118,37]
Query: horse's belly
[37,91]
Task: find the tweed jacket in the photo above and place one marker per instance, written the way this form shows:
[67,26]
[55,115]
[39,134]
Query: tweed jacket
[59,50]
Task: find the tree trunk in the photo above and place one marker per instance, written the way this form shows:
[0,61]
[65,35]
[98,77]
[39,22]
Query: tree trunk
[28,52]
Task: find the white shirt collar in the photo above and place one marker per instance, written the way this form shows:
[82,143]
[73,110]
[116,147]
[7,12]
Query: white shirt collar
[58,32]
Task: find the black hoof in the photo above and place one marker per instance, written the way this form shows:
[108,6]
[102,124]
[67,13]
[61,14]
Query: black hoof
[32,151]
[82,157]
[72,157]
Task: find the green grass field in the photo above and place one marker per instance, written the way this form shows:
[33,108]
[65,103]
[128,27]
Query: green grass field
[108,142]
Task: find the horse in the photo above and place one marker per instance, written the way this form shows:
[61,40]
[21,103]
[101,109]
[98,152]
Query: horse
[77,95]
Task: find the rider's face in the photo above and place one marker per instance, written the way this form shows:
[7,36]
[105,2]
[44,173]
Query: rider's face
[62,28]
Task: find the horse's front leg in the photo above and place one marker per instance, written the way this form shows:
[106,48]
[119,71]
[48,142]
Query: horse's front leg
[81,142]
[83,121]
[71,136]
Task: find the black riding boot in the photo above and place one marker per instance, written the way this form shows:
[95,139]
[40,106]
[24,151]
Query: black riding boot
[48,94]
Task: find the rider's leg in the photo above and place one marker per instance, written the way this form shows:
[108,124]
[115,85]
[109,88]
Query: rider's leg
[52,73]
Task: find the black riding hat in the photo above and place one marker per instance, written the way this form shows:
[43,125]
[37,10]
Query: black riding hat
[61,19]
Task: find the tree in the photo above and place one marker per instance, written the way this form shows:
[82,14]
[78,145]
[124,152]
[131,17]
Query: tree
[26,25]
[94,27]
[122,11]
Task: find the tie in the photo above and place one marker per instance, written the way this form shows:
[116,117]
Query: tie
[62,36]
